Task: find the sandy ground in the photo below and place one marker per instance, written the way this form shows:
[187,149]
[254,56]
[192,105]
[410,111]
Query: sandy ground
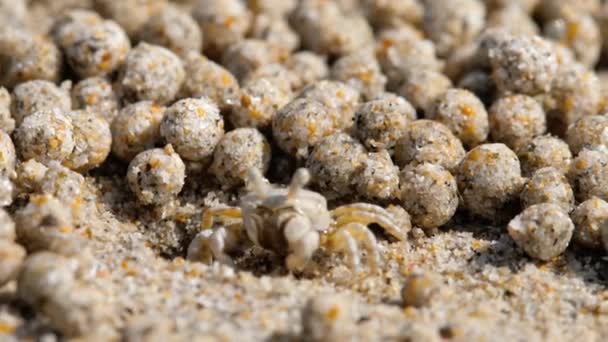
[490,291]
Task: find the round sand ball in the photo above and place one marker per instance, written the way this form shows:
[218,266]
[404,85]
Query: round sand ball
[7,191]
[7,123]
[260,100]
[63,184]
[46,275]
[300,125]
[92,141]
[156,176]
[334,163]
[526,5]
[514,19]
[588,219]
[543,231]
[10,263]
[131,15]
[248,55]
[278,74]
[45,223]
[580,33]
[378,177]
[194,127]
[151,73]
[382,13]
[80,313]
[275,30]
[7,226]
[426,141]
[464,114]
[93,49]
[174,29]
[223,23]
[361,71]
[548,185]
[589,175]
[306,68]
[45,135]
[423,87]
[341,101]
[453,23]
[96,95]
[328,317]
[516,119]
[576,93]
[29,175]
[420,287]
[544,151]
[237,152]
[8,156]
[33,96]
[399,57]
[26,56]
[589,132]
[136,128]
[489,180]
[325,29]
[381,122]
[429,194]
[524,65]
[205,78]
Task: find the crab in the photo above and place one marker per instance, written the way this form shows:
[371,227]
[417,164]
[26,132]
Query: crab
[292,222]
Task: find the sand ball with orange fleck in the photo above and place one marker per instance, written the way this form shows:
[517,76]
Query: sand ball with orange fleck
[156,176]
[516,119]
[194,127]
[96,95]
[136,128]
[589,175]
[464,114]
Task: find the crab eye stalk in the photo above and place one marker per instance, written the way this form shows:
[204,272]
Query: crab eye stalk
[256,182]
[299,180]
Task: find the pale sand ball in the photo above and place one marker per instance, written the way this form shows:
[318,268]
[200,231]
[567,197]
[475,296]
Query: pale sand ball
[361,71]
[45,135]
[8,155]
[589,175]
[7,123]
[33,96]
[174,29]
[426,141]
[545,151]
[423,87]
[589,132]
[516,119]
[381,122]
[489,180]
[136,128]
[45,223]
[543,231]
[194,127]
[588,219]
[300,125]
[306,68]
[96,94]
[10,262]
[524,65]
[7,226]
[340,100]
[92,140]
[429,194]
[152,73]
[237,152]
[156,176]
[548,185]
[464,114]
[334,162]
[378,177]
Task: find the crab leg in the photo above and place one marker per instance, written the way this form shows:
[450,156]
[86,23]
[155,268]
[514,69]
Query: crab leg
[343,241]
[362,234]
[367,214]
[208,246]
[210,213]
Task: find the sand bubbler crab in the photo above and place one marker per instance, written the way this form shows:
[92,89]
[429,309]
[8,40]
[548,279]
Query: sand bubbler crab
[293,222]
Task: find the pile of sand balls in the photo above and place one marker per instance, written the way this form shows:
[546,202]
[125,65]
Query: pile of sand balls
[490,110]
